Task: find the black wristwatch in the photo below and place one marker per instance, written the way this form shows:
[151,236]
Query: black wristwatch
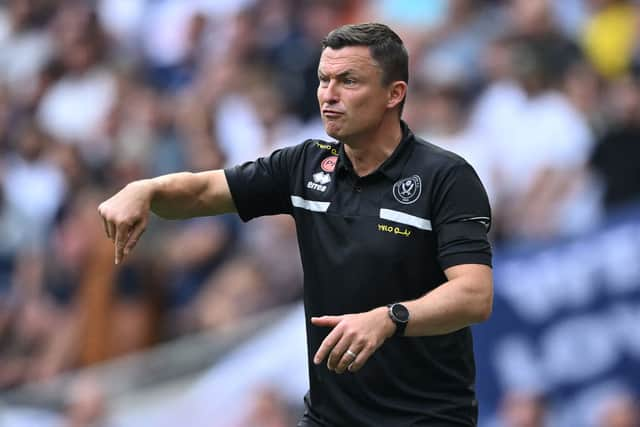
[400,316]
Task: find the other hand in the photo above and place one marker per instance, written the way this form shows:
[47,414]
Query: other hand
[353,339]
[125,217]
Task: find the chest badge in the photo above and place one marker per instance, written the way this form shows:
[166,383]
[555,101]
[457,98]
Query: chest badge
[407,190]
[329,163]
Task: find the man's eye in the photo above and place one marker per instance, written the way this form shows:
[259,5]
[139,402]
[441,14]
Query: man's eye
[349,82]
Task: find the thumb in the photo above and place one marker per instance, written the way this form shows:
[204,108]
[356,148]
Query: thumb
[326,320]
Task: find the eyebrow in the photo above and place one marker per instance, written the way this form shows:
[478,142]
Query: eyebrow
[343,74]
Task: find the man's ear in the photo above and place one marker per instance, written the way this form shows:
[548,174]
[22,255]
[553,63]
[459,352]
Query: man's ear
[397,92]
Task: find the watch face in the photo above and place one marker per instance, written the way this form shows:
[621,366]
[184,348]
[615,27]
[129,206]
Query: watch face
[400,312]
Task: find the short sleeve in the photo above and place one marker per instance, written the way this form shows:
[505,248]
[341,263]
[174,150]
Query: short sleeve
[263,187]
[461,218]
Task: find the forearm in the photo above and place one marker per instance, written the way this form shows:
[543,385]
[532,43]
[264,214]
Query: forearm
[186,194]
[460,302]
[463,300]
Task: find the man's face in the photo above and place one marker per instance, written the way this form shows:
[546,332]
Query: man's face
[351,95]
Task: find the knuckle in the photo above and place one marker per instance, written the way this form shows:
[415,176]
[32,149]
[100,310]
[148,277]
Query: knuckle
[125,221]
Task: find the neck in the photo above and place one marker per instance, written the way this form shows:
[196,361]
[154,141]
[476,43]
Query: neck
[367,152]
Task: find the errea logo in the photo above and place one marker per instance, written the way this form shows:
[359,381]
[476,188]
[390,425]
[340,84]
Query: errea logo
[321,178]
[320,181]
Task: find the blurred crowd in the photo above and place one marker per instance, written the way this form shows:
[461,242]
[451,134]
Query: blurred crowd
[542,97]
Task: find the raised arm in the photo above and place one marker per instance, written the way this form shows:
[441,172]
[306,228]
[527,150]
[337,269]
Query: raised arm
[173,196]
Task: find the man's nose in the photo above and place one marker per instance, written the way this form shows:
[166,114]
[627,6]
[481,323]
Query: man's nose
[330,93]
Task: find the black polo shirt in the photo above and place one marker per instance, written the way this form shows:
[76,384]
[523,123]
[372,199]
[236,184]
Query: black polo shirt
[369,241]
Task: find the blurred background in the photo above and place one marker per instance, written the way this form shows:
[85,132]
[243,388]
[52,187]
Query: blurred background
[202,325]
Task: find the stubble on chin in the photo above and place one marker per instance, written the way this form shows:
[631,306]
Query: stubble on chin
[332,129]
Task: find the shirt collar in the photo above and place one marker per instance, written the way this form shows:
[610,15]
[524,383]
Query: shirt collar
[392,167]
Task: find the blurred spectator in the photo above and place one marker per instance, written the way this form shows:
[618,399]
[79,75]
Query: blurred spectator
[292,48]
[140,134]
[255,278]
[196,251]
[523,409]
[583,88]
[543,143]
[85,405]
[87,81]
[25,45]
[14,238]
[193,126]
[440,114]
[33,186]
[267,272]
[617,151]
[269,241]
[570,16]
[534,20]
[5,117]
[253,121]
[38,333]
[268,409]
[610,36]
[453,49]
[408,15]
[237,289]
[621,410]
[114,310]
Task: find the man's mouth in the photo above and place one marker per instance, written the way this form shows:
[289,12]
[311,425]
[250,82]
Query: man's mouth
[332,114]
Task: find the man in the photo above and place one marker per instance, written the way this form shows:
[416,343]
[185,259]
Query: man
[392,233]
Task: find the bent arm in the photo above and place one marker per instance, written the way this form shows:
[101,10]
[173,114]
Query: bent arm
[186,195]
[174,196]
[466,298]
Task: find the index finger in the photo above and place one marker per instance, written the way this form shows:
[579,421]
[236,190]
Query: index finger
[122,233]
[327,344]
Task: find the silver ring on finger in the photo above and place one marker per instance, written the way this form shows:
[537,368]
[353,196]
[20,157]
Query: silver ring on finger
[351,353]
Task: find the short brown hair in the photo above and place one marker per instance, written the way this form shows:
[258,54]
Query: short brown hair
[385,47]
